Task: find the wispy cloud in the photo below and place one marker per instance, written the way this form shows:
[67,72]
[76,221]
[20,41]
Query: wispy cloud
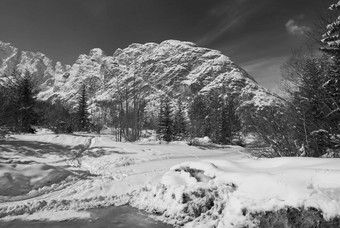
[220,29]
[229,16]
[294,28]
[266,71]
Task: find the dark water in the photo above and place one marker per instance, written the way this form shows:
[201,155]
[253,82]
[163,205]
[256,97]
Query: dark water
[111,217]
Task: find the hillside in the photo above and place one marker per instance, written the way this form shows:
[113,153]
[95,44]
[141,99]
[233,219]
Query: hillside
[172,67]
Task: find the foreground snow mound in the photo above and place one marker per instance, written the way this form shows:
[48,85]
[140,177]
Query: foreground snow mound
[19,179]
[218,193]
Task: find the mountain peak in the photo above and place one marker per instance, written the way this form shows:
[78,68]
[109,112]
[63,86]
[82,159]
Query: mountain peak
[177,68]
[178,43]
[96,53]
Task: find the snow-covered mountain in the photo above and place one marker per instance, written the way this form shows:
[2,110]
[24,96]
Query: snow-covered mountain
[172,67]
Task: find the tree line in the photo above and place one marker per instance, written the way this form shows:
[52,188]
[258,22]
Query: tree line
[20,109]
[212,115]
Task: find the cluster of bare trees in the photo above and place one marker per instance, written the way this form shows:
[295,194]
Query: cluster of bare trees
[126,108]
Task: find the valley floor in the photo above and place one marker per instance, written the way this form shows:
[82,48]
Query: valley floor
[59,177]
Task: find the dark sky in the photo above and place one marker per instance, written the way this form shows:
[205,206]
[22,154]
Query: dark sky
[257,34]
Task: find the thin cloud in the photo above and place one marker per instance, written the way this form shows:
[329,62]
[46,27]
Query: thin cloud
[230,16]
[219,30]
[295,29]
[266,71]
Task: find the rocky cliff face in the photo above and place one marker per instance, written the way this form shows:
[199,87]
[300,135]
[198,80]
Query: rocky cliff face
[150,70]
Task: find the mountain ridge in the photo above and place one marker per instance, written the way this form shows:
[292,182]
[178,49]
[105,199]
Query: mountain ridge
[172,67]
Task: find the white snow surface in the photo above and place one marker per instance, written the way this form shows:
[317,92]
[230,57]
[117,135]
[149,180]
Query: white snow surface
[204,186]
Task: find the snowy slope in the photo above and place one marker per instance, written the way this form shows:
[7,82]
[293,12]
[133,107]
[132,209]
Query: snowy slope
[212,186]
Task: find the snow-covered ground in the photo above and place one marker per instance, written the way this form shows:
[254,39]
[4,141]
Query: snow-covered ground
[49,176]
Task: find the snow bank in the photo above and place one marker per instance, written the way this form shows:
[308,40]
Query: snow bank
[222,193]
[19,179]
[51,216]
[227,189]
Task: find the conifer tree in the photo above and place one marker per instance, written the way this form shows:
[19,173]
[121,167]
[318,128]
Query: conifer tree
[26,101]
[83,113]
[165,124]
[223,135]
[331,41]
[17,111]
[308,106]
[198,111]
[180,124]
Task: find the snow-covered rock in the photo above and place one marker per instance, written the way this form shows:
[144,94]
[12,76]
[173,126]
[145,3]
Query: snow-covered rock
[8,58]
[171,67]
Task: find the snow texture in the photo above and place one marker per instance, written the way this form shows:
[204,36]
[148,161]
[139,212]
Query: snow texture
[203,186]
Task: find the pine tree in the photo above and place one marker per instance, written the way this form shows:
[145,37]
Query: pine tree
[83,113]
[18,106]
[224,124]
[331,41]
[165,124]
[198,112]
[180,124]
[26,101]
[213,118]
[308,104]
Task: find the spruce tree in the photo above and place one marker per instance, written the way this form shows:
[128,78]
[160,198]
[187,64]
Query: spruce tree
[180,124]
[331,41]
[18,108]
[224,124]
[198,112]
[83,113]
[27,115]
[308,108]
[165,123]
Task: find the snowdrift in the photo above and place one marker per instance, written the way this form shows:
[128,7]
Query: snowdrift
[222,193]
[47,176]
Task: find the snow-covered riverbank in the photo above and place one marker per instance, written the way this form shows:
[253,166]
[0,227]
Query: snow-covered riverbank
[47,176]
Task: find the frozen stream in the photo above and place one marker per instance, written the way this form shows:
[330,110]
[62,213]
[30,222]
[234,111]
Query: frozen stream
[113,217]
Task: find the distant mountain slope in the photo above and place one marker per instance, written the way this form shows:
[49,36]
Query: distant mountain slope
[171,67]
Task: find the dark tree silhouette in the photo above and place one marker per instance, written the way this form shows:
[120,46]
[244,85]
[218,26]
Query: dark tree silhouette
[165,124]
[18,111]
[83,113]
[180,123]
[27,100]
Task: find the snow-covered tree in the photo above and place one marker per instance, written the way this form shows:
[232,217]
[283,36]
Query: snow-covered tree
[331,39]
[309,104]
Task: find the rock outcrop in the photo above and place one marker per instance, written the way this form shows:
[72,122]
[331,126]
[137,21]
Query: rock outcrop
[172,67]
